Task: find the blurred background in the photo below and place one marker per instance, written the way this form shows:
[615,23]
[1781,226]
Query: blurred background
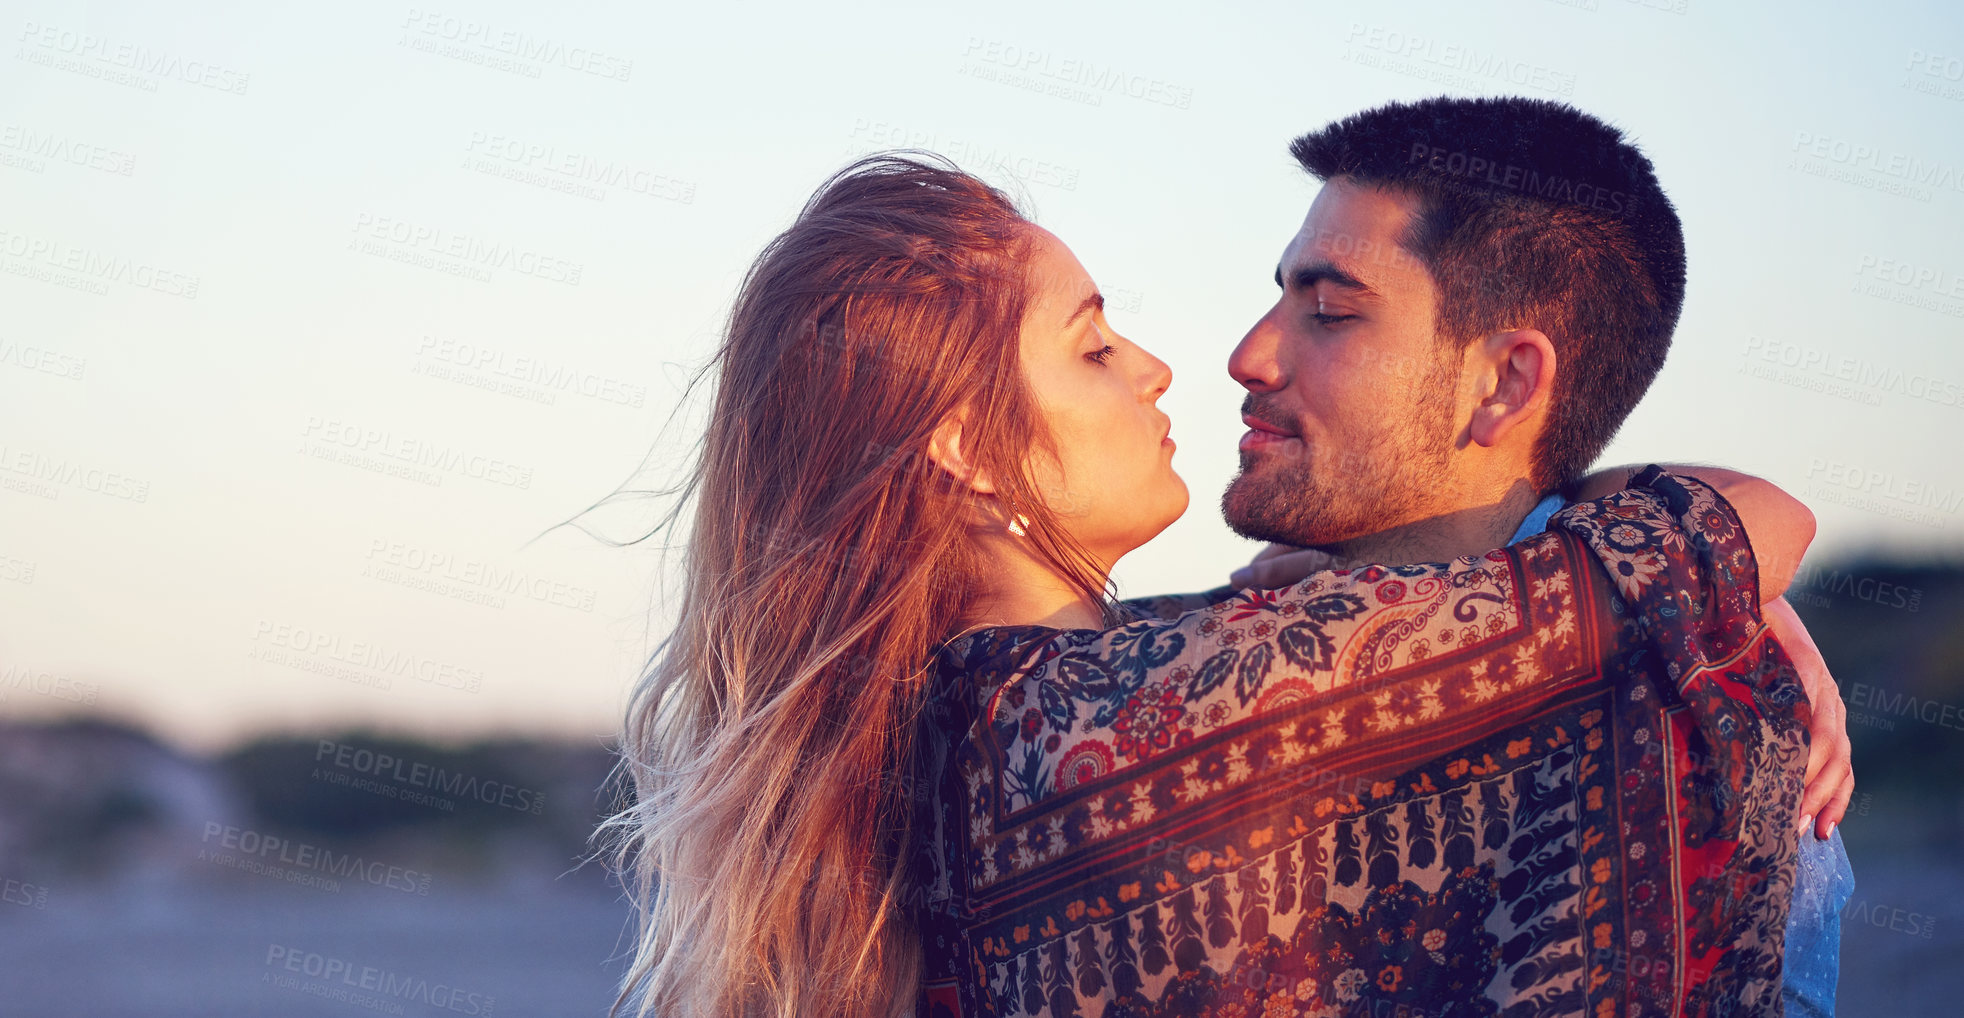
[318,322]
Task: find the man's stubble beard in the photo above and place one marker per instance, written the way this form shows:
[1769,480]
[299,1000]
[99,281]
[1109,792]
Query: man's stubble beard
[1319,498]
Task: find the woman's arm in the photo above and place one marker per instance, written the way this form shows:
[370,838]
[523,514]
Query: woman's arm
[1325,741]
[1777,525]
[1344,634]
[1779,528]
[1172,606]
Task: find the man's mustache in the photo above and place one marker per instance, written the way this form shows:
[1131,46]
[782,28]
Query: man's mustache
[1264,408]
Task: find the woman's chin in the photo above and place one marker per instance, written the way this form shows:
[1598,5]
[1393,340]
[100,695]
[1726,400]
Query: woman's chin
[1176,506]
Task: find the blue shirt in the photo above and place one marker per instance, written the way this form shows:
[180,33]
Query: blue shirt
[1823,882]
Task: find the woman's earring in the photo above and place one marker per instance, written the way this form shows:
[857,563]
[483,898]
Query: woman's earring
[1017,521]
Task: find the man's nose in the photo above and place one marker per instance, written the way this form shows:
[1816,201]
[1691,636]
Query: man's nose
[1256,362]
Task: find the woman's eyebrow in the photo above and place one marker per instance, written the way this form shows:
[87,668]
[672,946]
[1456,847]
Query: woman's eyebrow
[1096,300]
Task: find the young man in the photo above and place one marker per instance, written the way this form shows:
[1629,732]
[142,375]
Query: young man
[1477,298]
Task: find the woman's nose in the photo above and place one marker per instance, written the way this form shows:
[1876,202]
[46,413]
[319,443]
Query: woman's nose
[1159,377]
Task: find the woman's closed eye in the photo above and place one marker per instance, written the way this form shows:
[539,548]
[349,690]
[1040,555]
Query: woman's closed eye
[1103,354]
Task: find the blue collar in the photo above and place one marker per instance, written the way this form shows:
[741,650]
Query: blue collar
[1538,517]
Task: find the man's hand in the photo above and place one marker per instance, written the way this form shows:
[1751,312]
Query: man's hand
[1830,759]
[1280,565]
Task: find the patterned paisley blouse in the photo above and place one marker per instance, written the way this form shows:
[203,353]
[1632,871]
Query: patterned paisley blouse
[1556,779]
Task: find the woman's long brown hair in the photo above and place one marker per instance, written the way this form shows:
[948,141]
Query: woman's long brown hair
[771,740]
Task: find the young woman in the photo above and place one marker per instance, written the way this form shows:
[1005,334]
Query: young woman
[904,754]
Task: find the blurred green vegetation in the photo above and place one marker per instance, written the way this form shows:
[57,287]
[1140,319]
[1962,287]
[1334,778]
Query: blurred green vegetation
[462,802]
[1893,636]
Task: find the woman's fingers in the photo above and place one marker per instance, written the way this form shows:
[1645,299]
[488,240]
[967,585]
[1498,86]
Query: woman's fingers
[1830,764]
[1836,809]
[1245,576]
[1830,784]
[1286,568]
[1830,779]
[1273,550]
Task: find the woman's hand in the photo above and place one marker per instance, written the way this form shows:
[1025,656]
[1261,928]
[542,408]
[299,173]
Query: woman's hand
[1280,565]
[1830,757]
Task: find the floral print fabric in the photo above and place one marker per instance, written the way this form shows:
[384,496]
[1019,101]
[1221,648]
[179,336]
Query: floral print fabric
[1558,778]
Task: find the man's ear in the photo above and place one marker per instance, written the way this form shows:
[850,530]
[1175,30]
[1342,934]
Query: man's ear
[1521,382]
[944,447]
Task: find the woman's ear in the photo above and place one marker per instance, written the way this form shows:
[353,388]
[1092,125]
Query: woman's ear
[1523,381]
[944,447]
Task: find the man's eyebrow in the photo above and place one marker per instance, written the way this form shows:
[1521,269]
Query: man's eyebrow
[1095,301]
[1308,275]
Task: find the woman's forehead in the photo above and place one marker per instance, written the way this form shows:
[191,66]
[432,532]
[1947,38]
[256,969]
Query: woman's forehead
[1057,278]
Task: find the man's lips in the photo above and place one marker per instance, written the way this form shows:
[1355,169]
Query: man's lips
[1261,425]
[1261,434]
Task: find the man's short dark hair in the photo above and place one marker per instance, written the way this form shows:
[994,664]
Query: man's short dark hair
[1530,214]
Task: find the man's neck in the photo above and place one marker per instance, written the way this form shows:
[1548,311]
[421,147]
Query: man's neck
[1442,538]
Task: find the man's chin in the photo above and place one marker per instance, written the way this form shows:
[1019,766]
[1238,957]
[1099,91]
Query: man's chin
[1250,460]
[1254,511]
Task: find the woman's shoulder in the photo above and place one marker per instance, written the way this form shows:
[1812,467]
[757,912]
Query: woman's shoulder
[988,656]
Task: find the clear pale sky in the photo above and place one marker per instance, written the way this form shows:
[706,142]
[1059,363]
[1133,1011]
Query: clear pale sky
[239,243]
